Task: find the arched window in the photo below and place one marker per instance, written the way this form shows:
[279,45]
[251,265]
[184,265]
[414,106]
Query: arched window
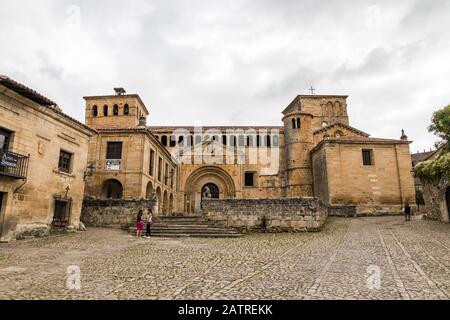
[105,110]
[241,141]
[116,110]
[181,141]
[338,134]
[126,109]
[224,140]
[267,141]
[164,141]
[190,141]
[94,111]
[250,141]
[198,139]
[276,141]
[258,140]
[232,141]
[298,123]
[293,123]
[173,141]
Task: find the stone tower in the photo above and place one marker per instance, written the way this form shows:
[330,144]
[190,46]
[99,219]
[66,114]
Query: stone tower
[116,111]
[298,140]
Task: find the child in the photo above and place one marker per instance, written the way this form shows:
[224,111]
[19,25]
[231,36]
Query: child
[139,224]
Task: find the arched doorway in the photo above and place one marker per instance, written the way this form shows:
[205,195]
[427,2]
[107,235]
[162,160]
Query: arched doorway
[171,203]
[222,185]
[149,191]
[158,200]
[210,190]
[112,189]
[165,206]
[447,198]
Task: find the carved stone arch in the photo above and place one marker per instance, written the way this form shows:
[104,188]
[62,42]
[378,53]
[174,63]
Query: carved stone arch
[329,109]
[201,177]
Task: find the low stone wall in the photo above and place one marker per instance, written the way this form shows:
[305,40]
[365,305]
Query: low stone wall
[342,210]
[112,213]
[271,215]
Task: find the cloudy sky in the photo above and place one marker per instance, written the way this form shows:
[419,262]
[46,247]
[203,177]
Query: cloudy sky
[237,62]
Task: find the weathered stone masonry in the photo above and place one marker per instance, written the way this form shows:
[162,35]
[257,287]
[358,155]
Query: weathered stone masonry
[112,212]
[273,215]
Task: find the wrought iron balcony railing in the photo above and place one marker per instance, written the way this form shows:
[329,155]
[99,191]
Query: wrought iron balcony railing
[13,164]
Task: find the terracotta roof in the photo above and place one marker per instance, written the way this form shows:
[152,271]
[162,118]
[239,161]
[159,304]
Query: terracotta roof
[36,97]
[421,156]
[25,91]
[342,125]
[220,128]
[358,140]
[366,139]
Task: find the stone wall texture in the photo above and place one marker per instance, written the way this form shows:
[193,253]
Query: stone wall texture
[271,215]
[434,194]
[112,213]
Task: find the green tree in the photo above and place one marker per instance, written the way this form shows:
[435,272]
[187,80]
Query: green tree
[439,167]
[440,126]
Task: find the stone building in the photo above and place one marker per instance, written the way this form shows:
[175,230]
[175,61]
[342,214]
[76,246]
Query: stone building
[314,153]
[125,159]
[43,154]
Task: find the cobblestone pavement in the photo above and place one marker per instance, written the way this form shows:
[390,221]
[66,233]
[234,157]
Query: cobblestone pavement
[337,263]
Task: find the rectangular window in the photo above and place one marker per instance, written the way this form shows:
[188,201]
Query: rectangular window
[159,168]
[4,139]
[114,150]
[249,179]
[61,215]
[152,163]
[367,155]
[65,161]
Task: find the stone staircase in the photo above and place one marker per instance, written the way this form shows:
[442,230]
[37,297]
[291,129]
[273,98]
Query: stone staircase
[187,226]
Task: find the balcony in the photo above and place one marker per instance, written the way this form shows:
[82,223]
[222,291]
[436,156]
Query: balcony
[13,165]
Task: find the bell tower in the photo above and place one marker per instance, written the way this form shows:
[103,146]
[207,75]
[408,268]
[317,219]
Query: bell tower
[298,140]
[120,110]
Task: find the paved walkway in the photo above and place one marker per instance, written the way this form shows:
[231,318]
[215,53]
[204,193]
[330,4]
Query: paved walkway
[364,258]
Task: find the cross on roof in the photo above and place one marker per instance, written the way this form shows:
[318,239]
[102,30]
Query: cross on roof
[312,90]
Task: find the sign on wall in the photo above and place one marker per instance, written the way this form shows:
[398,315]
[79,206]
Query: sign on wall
[112,165]
[9,160]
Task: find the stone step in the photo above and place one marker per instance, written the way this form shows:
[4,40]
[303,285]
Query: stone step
[187,226]
[185,230]
[196,235]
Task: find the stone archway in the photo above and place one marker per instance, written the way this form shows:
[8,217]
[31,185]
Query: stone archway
[165,203]
[158,200]
[112,189]
[149,190]
[201,177]
[171,208]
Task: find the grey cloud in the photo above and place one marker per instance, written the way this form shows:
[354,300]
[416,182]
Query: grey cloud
[237,62]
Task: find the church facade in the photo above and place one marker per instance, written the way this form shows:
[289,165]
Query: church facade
[314,152]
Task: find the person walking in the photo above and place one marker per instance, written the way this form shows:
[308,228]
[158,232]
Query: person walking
[139,224]
[407,211]
[149,223]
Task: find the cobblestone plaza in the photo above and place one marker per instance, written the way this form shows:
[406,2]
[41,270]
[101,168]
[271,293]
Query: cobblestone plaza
[340,262]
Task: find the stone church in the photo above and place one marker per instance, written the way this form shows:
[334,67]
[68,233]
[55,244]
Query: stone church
[290,176]
[314,152]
